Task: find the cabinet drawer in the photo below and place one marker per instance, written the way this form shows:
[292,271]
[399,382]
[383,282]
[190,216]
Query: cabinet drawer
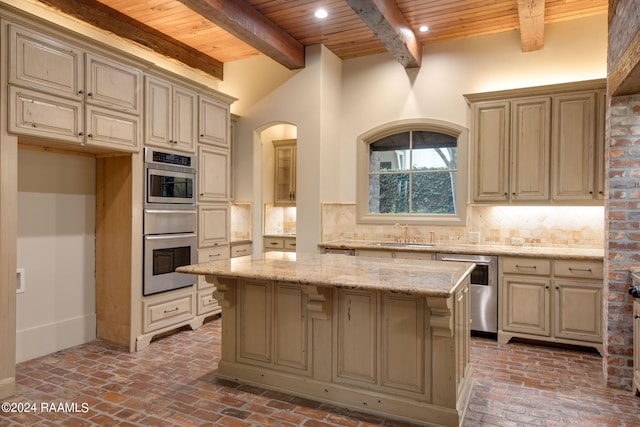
[273,243]
[39,114]
[578,269]
[240,250]
[207,303]
[213,254]
[532,266]
[290,244]
[162,313]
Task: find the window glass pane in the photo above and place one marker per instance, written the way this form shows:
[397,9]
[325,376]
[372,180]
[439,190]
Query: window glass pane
[433,193]
[389,193]
[432,150]
[390,153]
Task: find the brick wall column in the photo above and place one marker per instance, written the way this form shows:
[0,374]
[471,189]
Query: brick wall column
[622,236]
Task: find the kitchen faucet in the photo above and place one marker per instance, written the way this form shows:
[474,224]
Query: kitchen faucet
[406,230]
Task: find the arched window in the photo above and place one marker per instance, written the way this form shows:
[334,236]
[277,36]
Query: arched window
[413,171]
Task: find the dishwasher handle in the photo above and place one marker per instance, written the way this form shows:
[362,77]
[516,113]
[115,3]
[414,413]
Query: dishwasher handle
[464,260]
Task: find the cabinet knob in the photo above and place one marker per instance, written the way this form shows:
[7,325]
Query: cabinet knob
[90,135]
[90,94]
[80,133]
[636,316]
[80,92]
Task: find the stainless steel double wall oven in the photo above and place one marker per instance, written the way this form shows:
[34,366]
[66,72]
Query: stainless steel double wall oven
[170,220]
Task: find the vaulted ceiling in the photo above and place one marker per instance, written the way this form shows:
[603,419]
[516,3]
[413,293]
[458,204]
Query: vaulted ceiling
[205,34]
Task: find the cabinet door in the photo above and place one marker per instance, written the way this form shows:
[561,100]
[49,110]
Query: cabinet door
[45,63]
[578,310]
[530,147]
[402,343]
[213,126]
[574,146]
[112,129]
[356,336]
[525,303]
[600,143]
[491,152]
[285,175]
[213,225]
[184,119]
[254,321]
[290,334]
[158,113]
[39,114]
[113,85]
[213,174]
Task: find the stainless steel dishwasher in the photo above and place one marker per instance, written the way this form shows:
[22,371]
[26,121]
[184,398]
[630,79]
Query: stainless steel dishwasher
[484,290]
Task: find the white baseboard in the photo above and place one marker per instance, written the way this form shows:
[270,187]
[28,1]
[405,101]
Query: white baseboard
[52,337]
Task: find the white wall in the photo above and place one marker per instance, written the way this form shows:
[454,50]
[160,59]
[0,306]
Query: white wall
[332,101]
[56,248]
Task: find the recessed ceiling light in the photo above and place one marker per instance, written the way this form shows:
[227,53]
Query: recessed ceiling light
[321,13]
[424,28]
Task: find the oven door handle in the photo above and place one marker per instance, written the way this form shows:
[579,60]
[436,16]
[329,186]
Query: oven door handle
[169,236]
[464,260]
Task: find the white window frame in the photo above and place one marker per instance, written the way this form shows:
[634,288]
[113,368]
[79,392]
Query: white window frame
[362,173]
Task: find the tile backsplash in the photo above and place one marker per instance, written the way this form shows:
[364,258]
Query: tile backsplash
[279,220]
[558,226]
[241,221]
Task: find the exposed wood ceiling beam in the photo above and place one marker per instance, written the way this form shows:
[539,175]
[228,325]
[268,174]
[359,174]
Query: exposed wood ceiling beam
[106,18]
[531,14]
[245,22]
[391,27]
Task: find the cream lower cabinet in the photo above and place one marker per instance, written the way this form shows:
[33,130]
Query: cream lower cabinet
[551,300]
[273,326]
[284,243]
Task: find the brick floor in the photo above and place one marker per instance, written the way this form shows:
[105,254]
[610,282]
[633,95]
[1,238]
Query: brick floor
[173,383]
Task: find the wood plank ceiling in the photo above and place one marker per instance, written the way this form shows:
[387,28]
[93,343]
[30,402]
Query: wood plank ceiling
[218,31]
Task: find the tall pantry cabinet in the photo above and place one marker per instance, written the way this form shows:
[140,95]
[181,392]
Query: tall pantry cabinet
[68,92]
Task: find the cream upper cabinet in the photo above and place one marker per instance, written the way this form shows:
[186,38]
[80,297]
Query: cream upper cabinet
[574,146]
[170,115]
[113,85]
[541,145]
[530,144]
[41,62]
[213,173]
[214,121]
[511,145]
[285,170]
[60,91]
[491,144]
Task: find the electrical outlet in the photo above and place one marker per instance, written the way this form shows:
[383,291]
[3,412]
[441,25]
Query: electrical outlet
[474,237]
[517,241]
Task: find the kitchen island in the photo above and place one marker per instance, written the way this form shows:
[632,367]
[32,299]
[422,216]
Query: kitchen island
[389,337]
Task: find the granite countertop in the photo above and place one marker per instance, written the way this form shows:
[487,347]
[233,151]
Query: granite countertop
[416,277]
[472,248]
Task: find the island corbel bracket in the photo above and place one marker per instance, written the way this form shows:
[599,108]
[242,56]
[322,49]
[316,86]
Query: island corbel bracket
[225,290]
[315,302]
[441,316]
